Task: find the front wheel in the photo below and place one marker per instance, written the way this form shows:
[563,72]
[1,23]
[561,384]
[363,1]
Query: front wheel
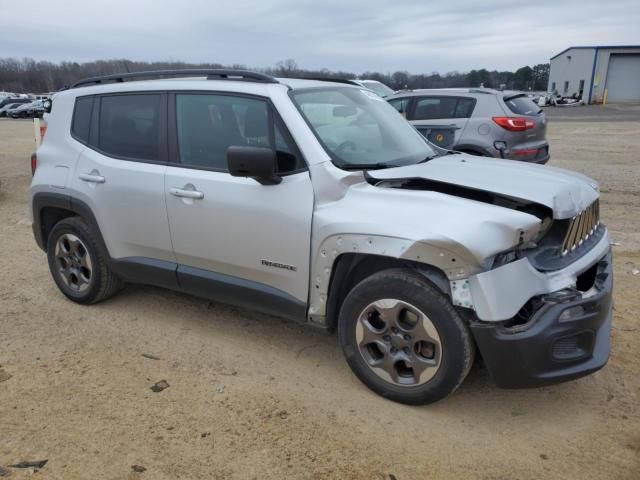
[403,339]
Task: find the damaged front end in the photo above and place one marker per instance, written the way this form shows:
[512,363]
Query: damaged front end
[554,337]
[540,312]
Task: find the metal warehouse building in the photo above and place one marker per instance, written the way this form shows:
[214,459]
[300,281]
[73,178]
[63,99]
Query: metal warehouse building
[607,73]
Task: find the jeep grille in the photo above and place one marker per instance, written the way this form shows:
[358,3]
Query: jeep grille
[581,227]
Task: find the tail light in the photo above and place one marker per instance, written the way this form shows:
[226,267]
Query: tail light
[34,163]
[40,126]
[525,151]
[515,124]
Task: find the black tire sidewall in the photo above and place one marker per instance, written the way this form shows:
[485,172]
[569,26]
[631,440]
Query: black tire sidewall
[76,227]
[454,335]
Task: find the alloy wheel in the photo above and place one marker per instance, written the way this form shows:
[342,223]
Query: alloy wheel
[73,262]
[398,342]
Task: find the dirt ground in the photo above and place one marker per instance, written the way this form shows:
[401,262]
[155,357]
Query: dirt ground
[253,396]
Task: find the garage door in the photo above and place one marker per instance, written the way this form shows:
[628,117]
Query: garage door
[623,78]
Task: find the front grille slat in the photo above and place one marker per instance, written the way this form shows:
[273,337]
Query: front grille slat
[581,227]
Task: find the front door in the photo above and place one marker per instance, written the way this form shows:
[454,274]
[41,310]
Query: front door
[231,230]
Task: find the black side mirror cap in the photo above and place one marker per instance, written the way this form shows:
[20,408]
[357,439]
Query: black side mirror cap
[254,162]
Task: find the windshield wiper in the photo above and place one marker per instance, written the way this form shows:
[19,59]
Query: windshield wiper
[367,166]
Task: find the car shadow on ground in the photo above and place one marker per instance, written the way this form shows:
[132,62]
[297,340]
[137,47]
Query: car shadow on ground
[294,343]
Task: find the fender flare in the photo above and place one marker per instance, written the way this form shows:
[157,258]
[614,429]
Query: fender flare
[42,200]
[454,266]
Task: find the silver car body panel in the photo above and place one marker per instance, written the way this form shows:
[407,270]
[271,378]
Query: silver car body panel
[243,229]
[566,193]
[129,206]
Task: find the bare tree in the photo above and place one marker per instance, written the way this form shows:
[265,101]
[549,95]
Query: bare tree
[29,75]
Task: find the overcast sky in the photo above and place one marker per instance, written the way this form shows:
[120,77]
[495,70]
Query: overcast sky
[420,36]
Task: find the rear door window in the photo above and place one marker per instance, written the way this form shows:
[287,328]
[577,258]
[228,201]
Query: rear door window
[129,126]
[522,105]
[429,108]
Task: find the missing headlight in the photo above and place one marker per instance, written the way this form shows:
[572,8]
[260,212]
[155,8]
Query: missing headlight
[504,258]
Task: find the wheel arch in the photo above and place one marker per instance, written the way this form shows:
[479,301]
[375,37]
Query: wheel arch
[472,149]
[49,208]
[351,268]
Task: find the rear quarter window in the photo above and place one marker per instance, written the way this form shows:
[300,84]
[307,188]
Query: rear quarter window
[464,107]
[400,104]
[81,123]
[522,105]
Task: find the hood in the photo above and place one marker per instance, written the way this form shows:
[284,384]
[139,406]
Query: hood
[565,193]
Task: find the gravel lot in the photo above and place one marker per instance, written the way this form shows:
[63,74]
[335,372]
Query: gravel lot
[253,396]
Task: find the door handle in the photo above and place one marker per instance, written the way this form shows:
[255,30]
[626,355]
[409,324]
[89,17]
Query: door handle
[180,192]
[91,177]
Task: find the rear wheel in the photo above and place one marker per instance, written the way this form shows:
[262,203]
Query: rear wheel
[78,263]
[403,339]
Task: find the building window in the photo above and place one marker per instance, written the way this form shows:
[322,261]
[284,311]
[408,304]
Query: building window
[566,88]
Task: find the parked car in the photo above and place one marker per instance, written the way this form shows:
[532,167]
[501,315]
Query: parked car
[9,100]
[36,109]
[28,110]
[478,121]
[20,112]
[4,111]
[376,86]
[318,202]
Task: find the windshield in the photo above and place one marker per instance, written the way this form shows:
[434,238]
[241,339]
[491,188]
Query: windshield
[380,88]
[358,129]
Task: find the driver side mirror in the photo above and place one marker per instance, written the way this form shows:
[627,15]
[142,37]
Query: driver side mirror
[254,162]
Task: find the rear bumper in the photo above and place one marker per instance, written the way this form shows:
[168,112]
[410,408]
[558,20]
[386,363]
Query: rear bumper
[534,154]
[563,339]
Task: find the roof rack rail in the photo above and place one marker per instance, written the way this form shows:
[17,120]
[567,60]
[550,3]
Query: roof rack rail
[348,81]
[211,74]
[486,90]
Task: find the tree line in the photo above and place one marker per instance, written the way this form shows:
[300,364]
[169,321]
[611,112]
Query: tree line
[30,76]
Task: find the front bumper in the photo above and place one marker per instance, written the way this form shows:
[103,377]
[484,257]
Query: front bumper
[566,337]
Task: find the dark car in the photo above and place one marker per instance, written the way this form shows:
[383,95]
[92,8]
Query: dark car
[7,101]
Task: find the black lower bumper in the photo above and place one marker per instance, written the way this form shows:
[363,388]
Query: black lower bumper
[567,337]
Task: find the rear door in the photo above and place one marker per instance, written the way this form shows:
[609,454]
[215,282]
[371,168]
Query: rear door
[120,176]
[234,231]
[441,119]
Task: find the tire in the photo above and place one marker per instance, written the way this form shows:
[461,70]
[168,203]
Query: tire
[433,347]
[78,263]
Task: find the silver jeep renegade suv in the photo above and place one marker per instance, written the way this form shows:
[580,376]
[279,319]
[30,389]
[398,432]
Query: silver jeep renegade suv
[318,202]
